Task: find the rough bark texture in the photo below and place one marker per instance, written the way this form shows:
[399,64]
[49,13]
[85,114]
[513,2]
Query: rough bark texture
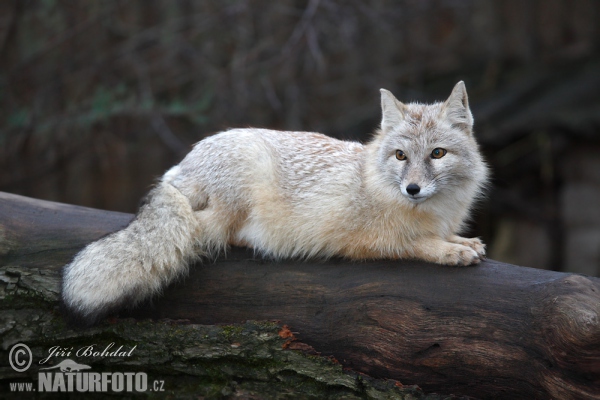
[494,330]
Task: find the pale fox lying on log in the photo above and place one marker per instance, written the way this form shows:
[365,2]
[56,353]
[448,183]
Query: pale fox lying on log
[405,194]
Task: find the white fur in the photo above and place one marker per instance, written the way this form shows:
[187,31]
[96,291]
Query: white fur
[297,194]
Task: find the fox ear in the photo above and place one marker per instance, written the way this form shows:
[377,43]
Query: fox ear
[392,110]
[456,108]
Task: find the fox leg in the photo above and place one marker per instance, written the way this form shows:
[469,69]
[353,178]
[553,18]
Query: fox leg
[474,243]
[442,252]
[132,264]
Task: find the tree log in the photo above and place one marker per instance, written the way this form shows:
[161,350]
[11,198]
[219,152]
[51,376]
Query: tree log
[491,330]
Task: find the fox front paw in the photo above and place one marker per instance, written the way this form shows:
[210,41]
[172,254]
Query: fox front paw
[474,243]
[461,255]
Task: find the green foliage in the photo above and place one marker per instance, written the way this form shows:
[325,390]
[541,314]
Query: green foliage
[19,119]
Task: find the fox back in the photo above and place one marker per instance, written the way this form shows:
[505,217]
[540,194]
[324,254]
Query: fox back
[405,194]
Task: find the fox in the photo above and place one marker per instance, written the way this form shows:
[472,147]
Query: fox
[407,193]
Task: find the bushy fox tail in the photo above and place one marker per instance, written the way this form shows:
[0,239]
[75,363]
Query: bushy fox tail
[130,265]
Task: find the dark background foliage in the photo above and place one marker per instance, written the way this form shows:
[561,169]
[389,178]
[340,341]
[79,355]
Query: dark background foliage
[97,99]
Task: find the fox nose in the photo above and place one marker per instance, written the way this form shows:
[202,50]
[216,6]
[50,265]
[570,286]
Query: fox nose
[413,189]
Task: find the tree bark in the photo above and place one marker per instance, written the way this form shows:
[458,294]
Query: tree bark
[491,330]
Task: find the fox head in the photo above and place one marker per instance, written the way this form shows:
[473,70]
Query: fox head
[426,151]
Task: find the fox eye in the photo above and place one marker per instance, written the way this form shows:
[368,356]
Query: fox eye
[400,155]
[438,153]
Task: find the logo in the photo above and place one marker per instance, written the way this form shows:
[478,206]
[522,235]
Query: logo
[70,376]
[20,357]
[69,366]
[71,380]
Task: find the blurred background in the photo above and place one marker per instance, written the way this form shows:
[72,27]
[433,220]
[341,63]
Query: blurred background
[97,99]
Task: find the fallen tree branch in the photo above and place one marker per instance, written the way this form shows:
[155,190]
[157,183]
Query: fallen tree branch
[492,330]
